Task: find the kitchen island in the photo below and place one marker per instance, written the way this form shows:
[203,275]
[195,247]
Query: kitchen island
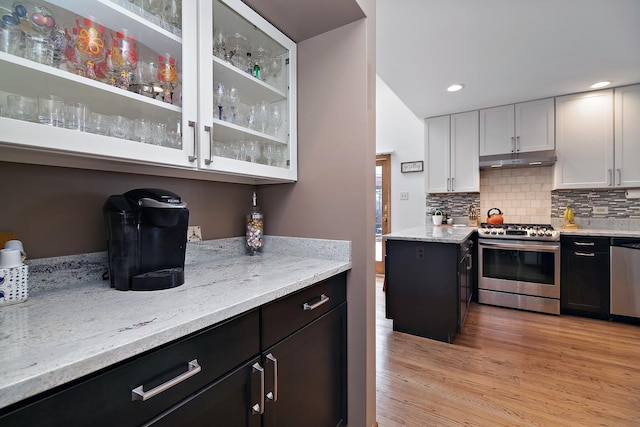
[73,324]
[429,276]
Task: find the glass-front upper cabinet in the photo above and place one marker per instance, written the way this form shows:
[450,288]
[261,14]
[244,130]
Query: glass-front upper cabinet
[113,79]
[247,104]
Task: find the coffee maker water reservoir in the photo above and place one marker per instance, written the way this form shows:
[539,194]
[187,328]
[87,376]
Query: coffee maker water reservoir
[146,232]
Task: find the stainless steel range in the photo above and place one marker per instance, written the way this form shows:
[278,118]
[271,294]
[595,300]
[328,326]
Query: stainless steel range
[519,266]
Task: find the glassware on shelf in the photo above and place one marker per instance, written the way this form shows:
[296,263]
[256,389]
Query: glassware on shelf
[275,66]
[122,57]
[77,116]
[263,116]
[172,12]
[269,152]
[253,151]
[142,130]
[218,44]
[90,45]
[219,94]
[51,110]
[276,118]
[232,101]
[236,49]
[11,39]
[22,108]
[167,75]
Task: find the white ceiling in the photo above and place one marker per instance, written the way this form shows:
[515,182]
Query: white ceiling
[503,51]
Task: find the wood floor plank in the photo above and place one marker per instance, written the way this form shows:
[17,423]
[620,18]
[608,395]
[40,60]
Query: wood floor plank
[509,368]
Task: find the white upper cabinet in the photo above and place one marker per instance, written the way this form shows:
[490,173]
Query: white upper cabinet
[142,82]
[519,128]
[627,136]
[451,150]
[247,112]
[584,140]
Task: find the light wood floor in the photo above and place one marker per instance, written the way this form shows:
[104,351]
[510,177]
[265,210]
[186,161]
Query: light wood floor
[510,368]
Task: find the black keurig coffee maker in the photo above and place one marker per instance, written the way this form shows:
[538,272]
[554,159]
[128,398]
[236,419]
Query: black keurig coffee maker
[146,239]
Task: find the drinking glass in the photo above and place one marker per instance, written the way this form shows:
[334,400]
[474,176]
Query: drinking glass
[100,124]
[250,116]
[158,133]
[276,118]
[123,56]
[232,101]
[263,116]
[269,152]
[90,45]
[167,75]
[77,116]
[38,49]
[275,65]
[174,134]
[22,108]
[120,127]
[142,130]
[51,110]
[11,40]
[218,98]
[253,151]
[172,13]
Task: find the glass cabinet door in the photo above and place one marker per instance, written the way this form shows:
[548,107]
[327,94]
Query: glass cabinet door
[247,109]
[112,79]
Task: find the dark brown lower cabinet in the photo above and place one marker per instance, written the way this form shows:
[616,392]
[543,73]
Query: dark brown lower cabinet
[584,276]
[281,365]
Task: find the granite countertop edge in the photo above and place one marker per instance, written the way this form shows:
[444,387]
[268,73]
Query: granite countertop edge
[74,324]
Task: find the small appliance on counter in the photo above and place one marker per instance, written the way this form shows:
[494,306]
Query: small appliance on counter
[146,232]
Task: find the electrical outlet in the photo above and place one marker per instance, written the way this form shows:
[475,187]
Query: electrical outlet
[600,210]
[404,195]
[194,234]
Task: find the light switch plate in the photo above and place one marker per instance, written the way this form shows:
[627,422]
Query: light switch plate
[404,195]
[600,210]
[194,234]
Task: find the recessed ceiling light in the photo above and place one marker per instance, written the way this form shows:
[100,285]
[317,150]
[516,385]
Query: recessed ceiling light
[600,84]
[454,88]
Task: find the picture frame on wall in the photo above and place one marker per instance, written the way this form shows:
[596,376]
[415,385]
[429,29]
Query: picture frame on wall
[417,166]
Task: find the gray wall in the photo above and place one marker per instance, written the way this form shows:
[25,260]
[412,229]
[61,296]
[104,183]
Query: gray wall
[58,211]
[334,197]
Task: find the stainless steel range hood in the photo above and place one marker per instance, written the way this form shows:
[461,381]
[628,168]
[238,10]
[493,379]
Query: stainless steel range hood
[520,160]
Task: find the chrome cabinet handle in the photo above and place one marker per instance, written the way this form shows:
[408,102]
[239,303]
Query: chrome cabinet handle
[619,176]
[448,183]
[273,395]
[584,243]
[452,183]
[258,408]
[610,183]
[138,393]
[210,159]
[193,158]
[470,259]
[584,254]
[517,144]
[498,245]
[513,144]
[323,299]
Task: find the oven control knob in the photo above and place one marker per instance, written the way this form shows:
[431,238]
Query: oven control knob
[500,231]
[494,231]
[548,233]
[533,232]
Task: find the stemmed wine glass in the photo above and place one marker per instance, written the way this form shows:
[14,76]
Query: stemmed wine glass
[253,151]
[218,98]
[263,117]
[269,152]
[233,98]
[276,119]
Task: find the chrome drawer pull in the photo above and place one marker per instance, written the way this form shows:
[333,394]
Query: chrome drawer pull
[209,160]
[323,299]
[258,408]
[273,396]
[584,254]
[584,243]
[138,393]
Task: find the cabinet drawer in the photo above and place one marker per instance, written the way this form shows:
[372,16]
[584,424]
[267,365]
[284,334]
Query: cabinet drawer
[286,315]
[106,398]
[585,243]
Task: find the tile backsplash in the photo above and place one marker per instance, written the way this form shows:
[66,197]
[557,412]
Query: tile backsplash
[522,194]
[525,195]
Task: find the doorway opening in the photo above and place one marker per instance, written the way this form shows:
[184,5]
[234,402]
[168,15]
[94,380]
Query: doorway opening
[383,206]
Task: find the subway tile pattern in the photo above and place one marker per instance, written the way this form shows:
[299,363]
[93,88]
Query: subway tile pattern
[522,194]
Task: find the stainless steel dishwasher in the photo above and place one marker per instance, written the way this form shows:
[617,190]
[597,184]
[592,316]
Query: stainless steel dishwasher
[625,276]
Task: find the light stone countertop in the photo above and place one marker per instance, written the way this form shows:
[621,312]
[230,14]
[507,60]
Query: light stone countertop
[435,234]
[74,324]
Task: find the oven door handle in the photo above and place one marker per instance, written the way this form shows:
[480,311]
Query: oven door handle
[539,248]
